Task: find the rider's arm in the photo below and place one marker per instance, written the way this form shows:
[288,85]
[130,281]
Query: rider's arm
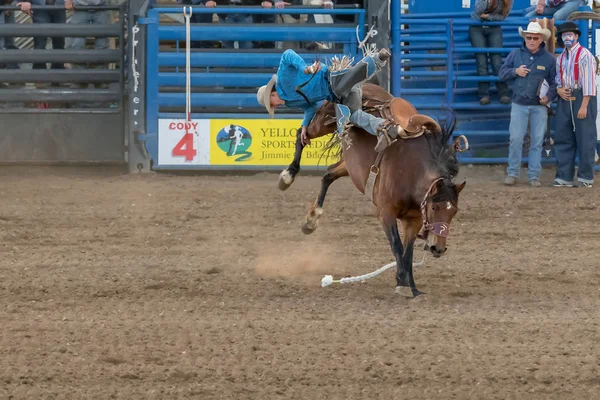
[289,58]
[309,113]
[508,70]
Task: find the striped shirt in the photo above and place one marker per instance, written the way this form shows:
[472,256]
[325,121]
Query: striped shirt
[565,76]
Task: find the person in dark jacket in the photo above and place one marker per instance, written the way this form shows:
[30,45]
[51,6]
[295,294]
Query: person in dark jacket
[525,69]
[489,36]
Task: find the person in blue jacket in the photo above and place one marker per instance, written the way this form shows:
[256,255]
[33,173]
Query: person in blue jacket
[297,85]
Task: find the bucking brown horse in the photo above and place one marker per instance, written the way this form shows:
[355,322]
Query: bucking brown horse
[412,180]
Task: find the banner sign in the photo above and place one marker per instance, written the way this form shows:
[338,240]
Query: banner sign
[238,142]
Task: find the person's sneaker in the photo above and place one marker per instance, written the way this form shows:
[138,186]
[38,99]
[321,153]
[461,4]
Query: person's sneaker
[510,181]
[535,183]
[583,184]
[384,55]
[484,101]
[505,100]
[559,184]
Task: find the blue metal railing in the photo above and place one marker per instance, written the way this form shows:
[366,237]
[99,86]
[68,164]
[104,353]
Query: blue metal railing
[239,70]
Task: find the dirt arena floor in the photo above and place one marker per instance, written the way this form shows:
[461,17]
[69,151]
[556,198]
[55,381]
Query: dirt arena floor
[203,287]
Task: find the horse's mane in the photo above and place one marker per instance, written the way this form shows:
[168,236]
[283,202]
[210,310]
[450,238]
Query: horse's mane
[444,159]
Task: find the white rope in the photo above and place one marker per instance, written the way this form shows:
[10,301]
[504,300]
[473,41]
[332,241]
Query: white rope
[328,279]
[367,50]
[188,74]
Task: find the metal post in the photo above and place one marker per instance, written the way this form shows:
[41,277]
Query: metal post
[138,158]
[378,16]
[396,20]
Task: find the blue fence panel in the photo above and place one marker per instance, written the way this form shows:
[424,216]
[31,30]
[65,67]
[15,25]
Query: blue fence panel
[443,73]
[227,79]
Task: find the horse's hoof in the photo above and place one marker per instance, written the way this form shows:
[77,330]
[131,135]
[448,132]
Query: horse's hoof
[406,291]
[307,230]
[285,179]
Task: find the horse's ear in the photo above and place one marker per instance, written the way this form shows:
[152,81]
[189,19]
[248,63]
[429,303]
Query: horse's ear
[460,187]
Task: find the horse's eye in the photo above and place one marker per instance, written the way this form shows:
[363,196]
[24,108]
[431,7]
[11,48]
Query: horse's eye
[432,208]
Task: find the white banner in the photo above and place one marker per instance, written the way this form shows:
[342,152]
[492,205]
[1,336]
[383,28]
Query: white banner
[183,143]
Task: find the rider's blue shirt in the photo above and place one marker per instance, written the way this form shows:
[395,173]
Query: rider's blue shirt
[291,74]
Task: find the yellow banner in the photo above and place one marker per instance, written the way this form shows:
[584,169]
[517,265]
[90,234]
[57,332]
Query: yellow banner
[263,142]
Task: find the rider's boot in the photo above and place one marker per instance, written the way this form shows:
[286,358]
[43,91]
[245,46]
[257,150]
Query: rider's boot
[383,56]
[386,133]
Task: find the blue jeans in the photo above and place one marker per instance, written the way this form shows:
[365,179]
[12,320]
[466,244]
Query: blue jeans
[491,36]
[236,19]
[560,12]
[58,43]
[90,17]
[520,115]
[347,87]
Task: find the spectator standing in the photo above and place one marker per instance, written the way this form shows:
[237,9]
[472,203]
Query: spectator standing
[46,17]
[267,19]
[489,36]
[577,110]
[525,69]
[100,17]
[557,9]
[8,43]
[233,18]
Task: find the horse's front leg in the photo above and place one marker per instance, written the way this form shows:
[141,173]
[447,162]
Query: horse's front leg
[410,229]
[405,285]
[334,172]
[287,176]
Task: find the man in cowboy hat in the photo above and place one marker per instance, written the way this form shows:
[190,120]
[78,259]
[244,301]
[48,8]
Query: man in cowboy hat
[576,111]
[297,85]
[525,70]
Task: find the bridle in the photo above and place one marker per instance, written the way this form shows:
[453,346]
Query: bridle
[437,228]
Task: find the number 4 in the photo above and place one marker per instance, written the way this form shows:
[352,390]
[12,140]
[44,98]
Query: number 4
[185,147]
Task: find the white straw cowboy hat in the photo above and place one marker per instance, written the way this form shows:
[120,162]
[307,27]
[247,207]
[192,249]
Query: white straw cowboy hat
[264,95]
[535,28]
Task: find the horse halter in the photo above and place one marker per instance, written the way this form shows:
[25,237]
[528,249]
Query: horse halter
[437,228]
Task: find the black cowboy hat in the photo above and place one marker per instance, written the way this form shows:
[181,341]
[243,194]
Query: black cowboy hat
[568,26]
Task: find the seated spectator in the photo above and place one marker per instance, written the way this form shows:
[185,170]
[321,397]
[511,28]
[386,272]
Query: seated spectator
[201,18]
[88,17]
[525,69]
[46,17]
[557,9]
[489,36]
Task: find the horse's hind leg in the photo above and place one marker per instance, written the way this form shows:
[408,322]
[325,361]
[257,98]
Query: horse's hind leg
[334,172]
[287,176]
[405,284]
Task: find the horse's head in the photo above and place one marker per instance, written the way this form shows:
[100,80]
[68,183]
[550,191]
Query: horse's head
[438,208]
[323,122]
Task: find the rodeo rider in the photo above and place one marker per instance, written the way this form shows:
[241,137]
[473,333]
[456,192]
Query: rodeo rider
[307,87]
[576,111]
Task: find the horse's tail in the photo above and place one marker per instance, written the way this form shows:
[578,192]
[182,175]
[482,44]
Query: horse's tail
[448,124]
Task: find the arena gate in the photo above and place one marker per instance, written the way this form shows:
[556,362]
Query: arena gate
[55,122]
